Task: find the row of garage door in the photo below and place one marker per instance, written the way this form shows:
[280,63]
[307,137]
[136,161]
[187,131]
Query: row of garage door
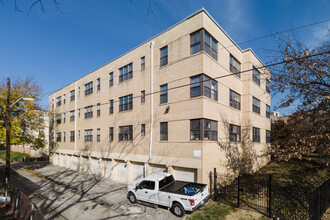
[118,170]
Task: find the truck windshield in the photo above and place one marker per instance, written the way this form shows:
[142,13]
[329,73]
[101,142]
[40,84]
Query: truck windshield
[167,180]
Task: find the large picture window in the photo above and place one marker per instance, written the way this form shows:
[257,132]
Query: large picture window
[126,72]
[126,133]
[203,129]
[126,103]
[202,85]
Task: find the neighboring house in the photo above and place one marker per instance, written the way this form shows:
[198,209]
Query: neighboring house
[275,116]
[205,113]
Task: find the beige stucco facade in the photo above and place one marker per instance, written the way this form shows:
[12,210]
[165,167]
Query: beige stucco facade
[179,153]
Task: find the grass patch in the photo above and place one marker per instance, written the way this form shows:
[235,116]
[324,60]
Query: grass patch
[15,156]
[212,210]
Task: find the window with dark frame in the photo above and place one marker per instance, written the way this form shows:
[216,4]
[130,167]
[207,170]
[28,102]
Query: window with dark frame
[72,95]
[163,56]
[111,106]
[58,119]
[64,98]
[267,111]
[163,93]
[72,115]
[143,96]
[202,85]
[126,72]
[267,136]
[234,99]
[163,131]
[234,133]
[143,63]
[143,130]
[111,79]
[59,101]
[98,109]
[64,117]
[126,133]
[126,103]
[72,137]
[235,66]
[88,88]
[64,136]
[58,137]
[267,86]
[88,135]
[210,44]
[256,76]
[89,111]
[256,105]
[110,134]
[256,134]
[98,134]
[98,84]
[203,129]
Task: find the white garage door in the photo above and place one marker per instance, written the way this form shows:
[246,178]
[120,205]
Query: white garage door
[53,158]
[70,163]
[96,166]
[155,168]
[121,172]
[107,168]
[86,164]
[76,162]
[62,163]
[185,174]
[136,171]
[57,159]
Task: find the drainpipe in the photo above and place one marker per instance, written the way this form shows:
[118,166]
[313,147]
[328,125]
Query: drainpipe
[75,119]
[151,105]
[54,120]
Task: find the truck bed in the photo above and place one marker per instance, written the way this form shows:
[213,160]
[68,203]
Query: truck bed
[177,187]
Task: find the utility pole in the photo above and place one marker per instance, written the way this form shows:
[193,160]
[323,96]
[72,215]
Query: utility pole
[8,131]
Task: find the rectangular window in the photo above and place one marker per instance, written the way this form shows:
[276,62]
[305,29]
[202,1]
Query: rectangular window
[126,133]
[89,111]
[143,96]
[163,94]
[88,135]
[59,101]
[163,131]
[72,95]
[89,88]
[59,119]
[111,107]
[202,85]
[267,86]
[256,105]
[256,76]
[267,136]
[98,109]
[110,133]
[267,111]
[58,137]
[195,42]
[163,56]
[64,99]
[143,63]
[98,84]
[98,134]
[210,45]
[63,117]
[234,99]
[71,136]
[63,136]
[203,129]
[126,72]
[79,134]
[235,66]
[256,134]
[72,115]
[143,130]
[234,133]
[126,103]
[111,79]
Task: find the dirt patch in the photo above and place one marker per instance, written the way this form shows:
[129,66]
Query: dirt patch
[241,214]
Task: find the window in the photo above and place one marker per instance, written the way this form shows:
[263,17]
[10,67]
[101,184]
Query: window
[143,96]
[98,109]
[126,103]
[195,42]
[71,136]
[235,66]
[143,63]
[163,93]
[210,45]
[256,105]
[79,134]
[59,119]
[203,129]
[110,133]
[98,134]
[63,136]
[163,56]
[256,76]
[203,85]
[89,88]
[111,107]
[89,111]
[126,72]
[59,101]
[256,134]
[79,91]
[88,135]
[64,99]
[267,111]
[72,95]
[234,99]
[163,131]
[111,79]
[126,133]
[267,136]
[98,84]
[146,184]
[72,115]
[63,117]
[267,86]
[234,133]
[58,137]
[143,130]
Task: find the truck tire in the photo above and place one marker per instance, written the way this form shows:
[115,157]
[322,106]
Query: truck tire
[178,210]
[131,197]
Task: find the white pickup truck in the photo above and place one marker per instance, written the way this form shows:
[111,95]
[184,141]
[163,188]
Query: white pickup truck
[161,189]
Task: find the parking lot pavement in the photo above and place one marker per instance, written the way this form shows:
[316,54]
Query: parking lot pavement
[66,194]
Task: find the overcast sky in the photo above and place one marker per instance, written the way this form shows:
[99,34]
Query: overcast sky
[57,48]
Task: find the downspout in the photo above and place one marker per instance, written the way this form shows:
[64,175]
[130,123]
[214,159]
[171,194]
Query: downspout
[54,120]
[151,105]
[75,119]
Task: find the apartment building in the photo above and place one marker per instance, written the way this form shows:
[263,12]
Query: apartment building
[188,100]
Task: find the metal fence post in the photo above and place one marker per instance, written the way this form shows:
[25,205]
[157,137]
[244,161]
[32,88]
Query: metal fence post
[270,196]
[32,212]
[210,176]
[215,184]
[238,190]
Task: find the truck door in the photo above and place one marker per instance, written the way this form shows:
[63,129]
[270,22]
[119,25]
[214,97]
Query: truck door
[146,192]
